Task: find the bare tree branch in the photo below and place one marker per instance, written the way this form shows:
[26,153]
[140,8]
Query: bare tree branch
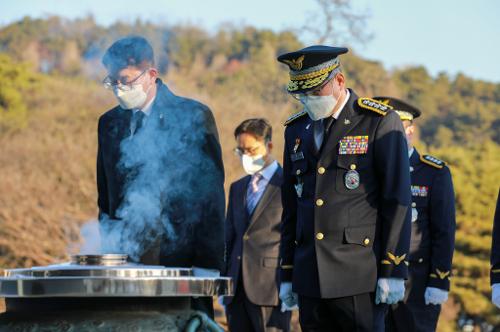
[335,22]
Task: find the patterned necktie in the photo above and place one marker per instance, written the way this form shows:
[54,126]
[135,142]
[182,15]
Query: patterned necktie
[252,192]
[137,121]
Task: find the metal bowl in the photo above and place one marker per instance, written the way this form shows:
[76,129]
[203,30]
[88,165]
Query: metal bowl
[108,275]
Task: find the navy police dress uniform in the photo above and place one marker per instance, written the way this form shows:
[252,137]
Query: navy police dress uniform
[345,207]
[495,246]
[432,235]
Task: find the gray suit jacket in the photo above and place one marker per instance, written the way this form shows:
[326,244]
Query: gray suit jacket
[252,242]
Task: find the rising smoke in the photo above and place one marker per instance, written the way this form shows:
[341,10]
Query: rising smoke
[169,181]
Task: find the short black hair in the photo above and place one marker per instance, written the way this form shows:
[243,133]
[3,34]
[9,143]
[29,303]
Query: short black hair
[129,51]
[260,128]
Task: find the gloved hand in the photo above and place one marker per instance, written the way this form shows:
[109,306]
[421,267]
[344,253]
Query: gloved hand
[289,300]
[205,273]
[390,290]
[495,294]
[435,295]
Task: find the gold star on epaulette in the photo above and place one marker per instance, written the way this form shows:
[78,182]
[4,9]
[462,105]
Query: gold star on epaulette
[294,117]
[374,105]
[432,161]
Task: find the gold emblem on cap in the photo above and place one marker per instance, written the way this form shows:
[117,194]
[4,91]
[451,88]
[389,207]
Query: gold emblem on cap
[295,64]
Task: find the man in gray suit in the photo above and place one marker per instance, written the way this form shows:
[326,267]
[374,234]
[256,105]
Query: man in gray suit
[253,234]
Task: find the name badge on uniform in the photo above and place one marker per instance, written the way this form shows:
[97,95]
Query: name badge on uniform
[351,179]
[297,156]
[419,191]
[353,145]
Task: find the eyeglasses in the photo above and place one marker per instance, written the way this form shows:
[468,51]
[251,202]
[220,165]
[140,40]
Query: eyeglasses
[248,151]
[311,92]
[121,83]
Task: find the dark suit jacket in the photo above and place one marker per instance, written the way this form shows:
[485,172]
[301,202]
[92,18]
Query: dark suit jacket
[191,204]
[336,241]
[252,242]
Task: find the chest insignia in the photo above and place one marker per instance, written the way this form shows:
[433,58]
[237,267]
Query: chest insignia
[353,145]
[419,191]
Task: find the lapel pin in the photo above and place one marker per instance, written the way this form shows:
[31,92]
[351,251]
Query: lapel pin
[307,127]
[347,121]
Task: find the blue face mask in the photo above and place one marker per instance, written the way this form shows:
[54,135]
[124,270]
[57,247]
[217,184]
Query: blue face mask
[318,107]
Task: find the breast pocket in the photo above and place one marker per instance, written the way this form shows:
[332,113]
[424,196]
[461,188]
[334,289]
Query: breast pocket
[354,174]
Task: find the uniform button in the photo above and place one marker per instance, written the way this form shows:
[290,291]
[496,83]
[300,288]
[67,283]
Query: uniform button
[413,204]
[246,237]
[320,236]
[420,260]
[239,257]
[298,172]
[321,170]
[366,241]
[319,202]
[353,166]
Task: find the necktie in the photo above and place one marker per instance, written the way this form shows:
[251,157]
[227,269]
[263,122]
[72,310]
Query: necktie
[137,120]
[321,130]
[252,192]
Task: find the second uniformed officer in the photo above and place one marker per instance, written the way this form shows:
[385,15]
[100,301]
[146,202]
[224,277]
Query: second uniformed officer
[345,226]
[432,236]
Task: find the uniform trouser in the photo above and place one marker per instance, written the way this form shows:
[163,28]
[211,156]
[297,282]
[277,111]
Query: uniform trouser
[245,316]
[349,314]
[413,317]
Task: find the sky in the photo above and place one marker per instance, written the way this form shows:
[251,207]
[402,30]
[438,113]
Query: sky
[443,35]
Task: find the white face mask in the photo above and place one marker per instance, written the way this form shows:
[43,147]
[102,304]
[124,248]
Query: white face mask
[133,98]
[252,165]
[318,107]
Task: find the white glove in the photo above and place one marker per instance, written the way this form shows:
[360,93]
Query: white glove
[205,273]
[289,299]
[435,296]
[495,294]
[390,290]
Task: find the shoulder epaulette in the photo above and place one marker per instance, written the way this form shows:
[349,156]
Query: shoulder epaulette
[294,117]
[432,161]
[373,105]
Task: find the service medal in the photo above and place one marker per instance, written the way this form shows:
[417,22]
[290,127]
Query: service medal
[298,188]
[351,179]
[414,214]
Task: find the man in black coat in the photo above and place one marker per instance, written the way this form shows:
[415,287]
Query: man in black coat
[159,168]
[346,193]
[253,234]
[432,236]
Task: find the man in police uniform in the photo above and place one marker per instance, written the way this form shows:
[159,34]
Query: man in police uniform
[345,226]
[495,257]
[432,236]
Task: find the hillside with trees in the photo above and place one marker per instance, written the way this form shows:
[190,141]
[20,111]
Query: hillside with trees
[51,98]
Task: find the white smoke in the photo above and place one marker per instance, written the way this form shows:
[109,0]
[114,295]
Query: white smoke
[169,182]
